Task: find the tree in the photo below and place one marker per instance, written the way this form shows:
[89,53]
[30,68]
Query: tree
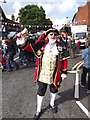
[33,15]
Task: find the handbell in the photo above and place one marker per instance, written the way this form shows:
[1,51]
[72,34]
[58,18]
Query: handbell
[24,32]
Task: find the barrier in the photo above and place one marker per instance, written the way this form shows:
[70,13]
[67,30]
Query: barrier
[79,63]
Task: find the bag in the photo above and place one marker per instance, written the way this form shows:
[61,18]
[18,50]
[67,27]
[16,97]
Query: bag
[63,49]
[66,53]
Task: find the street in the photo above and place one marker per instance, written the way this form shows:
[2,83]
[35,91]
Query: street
[50,30]
[19,95]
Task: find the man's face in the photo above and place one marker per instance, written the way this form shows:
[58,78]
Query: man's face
[52,35]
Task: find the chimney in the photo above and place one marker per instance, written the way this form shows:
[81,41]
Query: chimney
[18,19]
[79,8]
[12,17]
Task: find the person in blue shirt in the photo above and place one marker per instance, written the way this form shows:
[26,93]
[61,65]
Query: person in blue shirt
[86,67]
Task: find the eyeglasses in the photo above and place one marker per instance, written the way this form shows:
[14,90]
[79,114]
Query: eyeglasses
[53,34]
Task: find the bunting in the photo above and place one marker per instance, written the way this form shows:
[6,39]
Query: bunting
[28,26]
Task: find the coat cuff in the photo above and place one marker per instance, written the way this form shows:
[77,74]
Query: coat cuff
[63,75]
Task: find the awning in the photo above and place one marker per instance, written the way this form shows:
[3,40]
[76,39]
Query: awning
[11,34]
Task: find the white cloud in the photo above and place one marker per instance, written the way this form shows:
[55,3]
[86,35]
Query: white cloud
[16,7]
[59,21]
[67,5]
[54,9]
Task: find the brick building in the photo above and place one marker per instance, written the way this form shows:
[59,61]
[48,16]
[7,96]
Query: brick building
[82,17]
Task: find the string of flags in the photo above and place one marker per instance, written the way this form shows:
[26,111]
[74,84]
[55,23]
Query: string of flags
[27,26]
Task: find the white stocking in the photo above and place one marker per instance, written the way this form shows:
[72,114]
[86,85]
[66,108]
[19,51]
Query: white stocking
[52,98]
[39,103]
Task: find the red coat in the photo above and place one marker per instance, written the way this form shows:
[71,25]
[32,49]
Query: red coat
[61,68]
[61,64]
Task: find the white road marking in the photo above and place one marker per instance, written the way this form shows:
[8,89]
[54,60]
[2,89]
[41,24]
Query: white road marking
[83,108]
[77,71]
[78,54]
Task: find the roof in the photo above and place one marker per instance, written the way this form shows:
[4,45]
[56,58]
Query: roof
[11,34]
[74,17]
[6,20]
[4,17]
[1,11]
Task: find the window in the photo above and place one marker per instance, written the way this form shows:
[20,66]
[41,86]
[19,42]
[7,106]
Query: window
[81,35]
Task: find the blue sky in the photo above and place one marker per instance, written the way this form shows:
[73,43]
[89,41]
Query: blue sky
[56,10]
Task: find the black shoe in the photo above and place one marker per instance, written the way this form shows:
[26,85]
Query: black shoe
[37,115]
[10,70]
[54,108]
[17,68]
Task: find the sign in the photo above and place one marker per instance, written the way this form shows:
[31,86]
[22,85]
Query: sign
[78,29]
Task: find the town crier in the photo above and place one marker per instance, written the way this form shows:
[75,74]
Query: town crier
[51,67]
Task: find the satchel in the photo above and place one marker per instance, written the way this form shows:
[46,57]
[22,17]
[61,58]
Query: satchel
[66,53]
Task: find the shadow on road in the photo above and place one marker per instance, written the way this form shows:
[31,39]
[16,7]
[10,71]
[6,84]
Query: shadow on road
[67,95]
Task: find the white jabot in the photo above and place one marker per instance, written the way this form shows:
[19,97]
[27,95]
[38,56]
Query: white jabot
[51,48]
[51,42]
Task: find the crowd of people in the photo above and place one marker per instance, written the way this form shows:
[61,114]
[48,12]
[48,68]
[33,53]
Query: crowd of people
[11,47]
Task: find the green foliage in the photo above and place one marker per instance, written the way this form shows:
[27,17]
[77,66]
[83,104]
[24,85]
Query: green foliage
[33,15]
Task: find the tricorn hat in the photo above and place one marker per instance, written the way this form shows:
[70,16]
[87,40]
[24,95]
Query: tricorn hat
[51,30]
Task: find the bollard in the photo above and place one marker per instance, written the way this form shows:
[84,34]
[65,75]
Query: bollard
[76,94]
